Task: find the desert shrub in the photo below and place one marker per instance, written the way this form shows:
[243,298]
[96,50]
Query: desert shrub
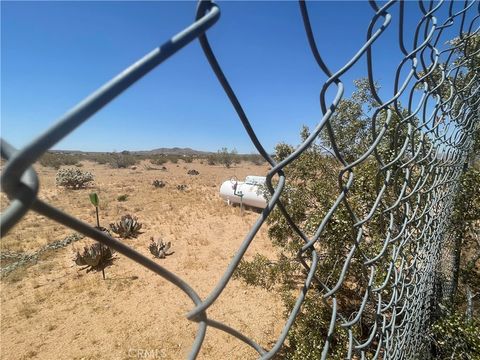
[188,159]
[311,191]
[127,227]
[181,187]
[224,157]
[258,272]
[56,160]
[159,160]
[256,159]
[158,183]
[173,159]
[100,158]
[123,197]
[236,159]
[193,172]
[211,160]
[122,161]
[73,178]
[159,249]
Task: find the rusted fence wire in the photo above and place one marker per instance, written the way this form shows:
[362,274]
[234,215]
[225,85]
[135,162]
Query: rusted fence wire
[432,140]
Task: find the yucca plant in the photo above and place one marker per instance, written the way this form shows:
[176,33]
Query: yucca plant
[159,249]
[127,227]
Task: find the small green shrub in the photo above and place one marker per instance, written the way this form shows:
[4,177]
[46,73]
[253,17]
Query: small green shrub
[123,197]
[159,160]
[72,178]
[127,227]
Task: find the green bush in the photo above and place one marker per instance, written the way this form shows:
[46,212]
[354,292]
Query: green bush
[455,337]
[311,191]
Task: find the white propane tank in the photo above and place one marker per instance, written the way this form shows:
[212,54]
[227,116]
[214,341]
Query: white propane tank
[231,190]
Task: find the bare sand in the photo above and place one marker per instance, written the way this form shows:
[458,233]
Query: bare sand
[52,310]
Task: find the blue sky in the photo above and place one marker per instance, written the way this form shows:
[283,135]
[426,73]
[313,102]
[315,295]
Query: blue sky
[53,54]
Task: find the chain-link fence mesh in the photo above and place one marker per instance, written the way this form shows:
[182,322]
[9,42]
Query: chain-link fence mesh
[417,177]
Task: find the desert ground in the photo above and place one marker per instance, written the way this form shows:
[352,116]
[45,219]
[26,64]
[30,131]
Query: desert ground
[50,309]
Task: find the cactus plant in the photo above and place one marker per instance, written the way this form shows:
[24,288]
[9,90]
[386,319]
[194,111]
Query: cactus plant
[73,178]
[159,249]
[127,227]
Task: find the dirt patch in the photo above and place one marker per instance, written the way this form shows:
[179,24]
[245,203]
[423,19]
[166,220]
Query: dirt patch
[51,310]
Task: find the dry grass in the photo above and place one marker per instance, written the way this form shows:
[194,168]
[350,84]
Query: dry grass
[53,310]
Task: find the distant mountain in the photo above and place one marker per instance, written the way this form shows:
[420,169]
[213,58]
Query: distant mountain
[159,151]
[172,151]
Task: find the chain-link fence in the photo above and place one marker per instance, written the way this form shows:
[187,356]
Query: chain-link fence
[417,176]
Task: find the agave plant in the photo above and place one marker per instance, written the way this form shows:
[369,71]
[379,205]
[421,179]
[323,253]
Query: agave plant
[159,249]
[127,227]
[94,257]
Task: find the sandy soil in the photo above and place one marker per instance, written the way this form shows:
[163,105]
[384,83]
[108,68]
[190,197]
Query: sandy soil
[51,310]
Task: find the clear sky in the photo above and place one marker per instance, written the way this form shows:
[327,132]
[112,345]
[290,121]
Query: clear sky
[53,54]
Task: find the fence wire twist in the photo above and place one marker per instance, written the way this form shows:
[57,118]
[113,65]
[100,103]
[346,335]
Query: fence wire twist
[427,161]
